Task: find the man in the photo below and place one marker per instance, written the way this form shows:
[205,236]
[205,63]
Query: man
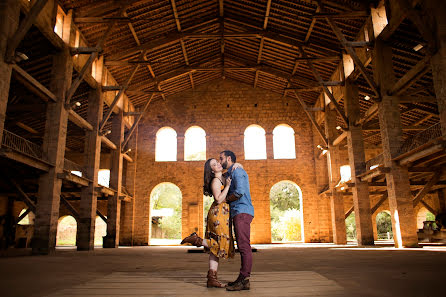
[242,213]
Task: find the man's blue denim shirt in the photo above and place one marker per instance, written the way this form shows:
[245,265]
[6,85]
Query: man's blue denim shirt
[240,185]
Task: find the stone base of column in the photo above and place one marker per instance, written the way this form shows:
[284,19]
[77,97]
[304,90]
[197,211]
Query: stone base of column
[42,247]
[109,242]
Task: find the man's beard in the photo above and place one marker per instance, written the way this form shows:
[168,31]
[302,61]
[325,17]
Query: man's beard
[224,165]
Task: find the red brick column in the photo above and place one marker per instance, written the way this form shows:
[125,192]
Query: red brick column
[111,240]
[92,152]
[398,185]
[334,163]
[356,157]
[47,211]
[9,20]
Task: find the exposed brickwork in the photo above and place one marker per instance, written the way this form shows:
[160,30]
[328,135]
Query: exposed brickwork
[224,128]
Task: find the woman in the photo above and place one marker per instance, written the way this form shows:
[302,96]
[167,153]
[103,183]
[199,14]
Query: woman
[218,238]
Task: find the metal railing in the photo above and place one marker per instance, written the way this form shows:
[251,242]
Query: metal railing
[375,161]
[71,166]
[20,144]
[420,138]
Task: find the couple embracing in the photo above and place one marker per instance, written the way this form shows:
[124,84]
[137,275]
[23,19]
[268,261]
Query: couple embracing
[232,206]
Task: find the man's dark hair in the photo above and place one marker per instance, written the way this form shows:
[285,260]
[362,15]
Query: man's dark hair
[230,154]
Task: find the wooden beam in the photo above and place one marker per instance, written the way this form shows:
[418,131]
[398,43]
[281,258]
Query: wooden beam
[84,50]
[324,87]
[354,56]
[23,29]
[370,113]
[311,117]
[135,124]
[79,180]
[421,154]
[340,138]
[191,80]
[24,197]
[345,15]
[79,121]
[99,213]
[379,203]
[75,84]
[409,78]
[33,85]
[108,142]
[429,208]
[70,207]
[349,211]
[27,211]
[434,179]
[127,157]
[101,19]
[118,96]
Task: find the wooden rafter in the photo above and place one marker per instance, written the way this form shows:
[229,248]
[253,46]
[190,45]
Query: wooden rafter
[27,211]
[265,24]
[24,197]
[177,22]
[312,119]
[379,203]
[135,124]
[324,87]
[23,28]
[70,207]
[354,56]
[75,84]
[411,76]
[99,213]
[120,93]
[434,179]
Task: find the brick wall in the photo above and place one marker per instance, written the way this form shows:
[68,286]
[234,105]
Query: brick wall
[224,108]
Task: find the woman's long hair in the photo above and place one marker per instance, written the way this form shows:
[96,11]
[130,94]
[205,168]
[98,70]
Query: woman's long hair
[208,177]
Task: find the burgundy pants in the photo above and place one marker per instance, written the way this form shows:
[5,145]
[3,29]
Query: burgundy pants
[242,228]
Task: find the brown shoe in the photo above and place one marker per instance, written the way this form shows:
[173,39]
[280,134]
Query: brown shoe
[240,284]
[193,239]
[213,281]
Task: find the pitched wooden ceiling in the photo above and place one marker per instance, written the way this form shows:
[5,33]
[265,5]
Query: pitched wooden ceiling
[176,45]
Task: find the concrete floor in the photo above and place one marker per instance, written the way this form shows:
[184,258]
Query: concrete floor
[279,270]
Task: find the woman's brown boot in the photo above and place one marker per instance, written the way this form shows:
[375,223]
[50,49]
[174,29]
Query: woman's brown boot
[213,281]
[193,239]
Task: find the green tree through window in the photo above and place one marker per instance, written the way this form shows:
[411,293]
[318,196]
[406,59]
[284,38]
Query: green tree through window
[165,203]
[285,211]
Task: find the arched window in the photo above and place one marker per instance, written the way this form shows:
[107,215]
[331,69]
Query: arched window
[255,143]
[28,219]
[195,144]
[283,142]
[346,173]
[166,145]
[104,177]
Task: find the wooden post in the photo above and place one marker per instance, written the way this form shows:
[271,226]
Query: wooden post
[128,208]
[111,240]
[356,157]
[438,61]
[334,164]
[9,22]
[398,185]
[47,210]
[92,152]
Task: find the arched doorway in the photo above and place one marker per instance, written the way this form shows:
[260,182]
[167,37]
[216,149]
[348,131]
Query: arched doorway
[66,231]
[384,225]
[286,212]
[100,230]
[350,227]
[165,214]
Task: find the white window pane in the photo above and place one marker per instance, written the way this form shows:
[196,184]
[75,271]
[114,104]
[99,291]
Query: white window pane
[283,142]
[166,145]
[195,144]
[255,143]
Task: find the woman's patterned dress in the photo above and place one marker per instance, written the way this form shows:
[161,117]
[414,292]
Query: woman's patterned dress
[218,234]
